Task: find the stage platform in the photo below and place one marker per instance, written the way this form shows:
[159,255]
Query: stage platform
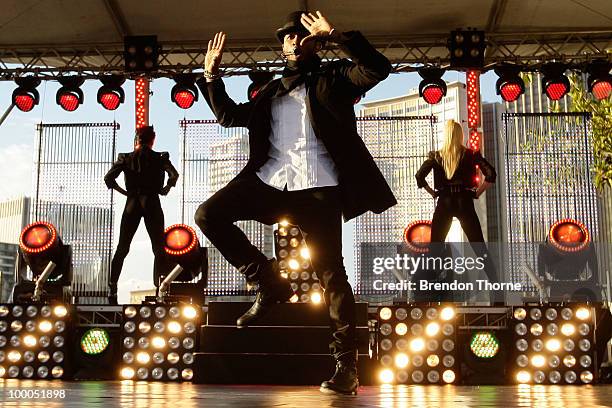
[154,394]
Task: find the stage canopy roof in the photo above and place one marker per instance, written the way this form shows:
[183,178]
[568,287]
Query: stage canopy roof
[60,35]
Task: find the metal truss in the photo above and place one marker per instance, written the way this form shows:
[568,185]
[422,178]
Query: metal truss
[483,318]
[406,54]
[99,316]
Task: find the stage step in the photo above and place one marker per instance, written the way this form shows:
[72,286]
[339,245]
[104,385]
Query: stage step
[272,339]
[285,314]
[268,368]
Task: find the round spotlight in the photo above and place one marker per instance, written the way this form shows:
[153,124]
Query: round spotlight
[601,89]
[432,329]
[538,360]
[523,377]
[448,376]
[401,360]
[520,313]
[184,94]
[447,313]
[401,329]
[386,376]
[385,313]
[14,356]
[45,326]
[95,341]
[189,312]
[583,313]
[143,357]
[174,327]
[127,373]
[553,345]
[38,237]
[130,312]
[433,92]
[60,311]
[25,96]
[29,341]
[509,85]
[586,377]
[569,235]
[568,329]
[158,342]
[111,95]
[484,344]
[316,297]
[417,345]
[417,236]
[556,88]
[180,239]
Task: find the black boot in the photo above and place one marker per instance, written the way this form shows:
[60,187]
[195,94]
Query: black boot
[112,294]
[273,289]
[344,380]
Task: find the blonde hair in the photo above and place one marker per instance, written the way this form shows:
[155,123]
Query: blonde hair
[453,148]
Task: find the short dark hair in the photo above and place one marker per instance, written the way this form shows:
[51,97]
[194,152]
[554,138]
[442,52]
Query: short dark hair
[145,135]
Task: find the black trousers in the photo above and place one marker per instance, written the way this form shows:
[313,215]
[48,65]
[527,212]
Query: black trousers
[316,211]
[461,206]
[140,206]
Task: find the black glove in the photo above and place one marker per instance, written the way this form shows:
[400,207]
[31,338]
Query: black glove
[164,191]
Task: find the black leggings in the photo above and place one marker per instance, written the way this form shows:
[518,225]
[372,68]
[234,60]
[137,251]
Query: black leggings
[137,207]
[461,206]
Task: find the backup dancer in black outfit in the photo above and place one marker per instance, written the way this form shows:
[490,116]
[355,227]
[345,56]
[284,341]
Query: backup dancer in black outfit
[144,170]
[454,168]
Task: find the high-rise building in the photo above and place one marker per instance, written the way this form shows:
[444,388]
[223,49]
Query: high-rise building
[14,216]
[8,256]
[493,151]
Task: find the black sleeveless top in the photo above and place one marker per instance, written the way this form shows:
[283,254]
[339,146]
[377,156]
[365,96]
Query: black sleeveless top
[465,174]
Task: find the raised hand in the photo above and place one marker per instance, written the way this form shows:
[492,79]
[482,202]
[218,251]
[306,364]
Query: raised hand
[317,25]
[212,61]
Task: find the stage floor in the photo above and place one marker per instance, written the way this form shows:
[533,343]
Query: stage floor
[171,395]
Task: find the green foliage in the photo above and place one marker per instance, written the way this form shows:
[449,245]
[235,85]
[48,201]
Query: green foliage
[582,101]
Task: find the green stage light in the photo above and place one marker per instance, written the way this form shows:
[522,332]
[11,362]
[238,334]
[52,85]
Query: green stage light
[484,345]
[95,341]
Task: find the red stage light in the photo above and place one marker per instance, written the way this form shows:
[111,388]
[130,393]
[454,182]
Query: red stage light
[602,89]
[556,90]
[24,103]
[510,92]
[142,102]
[433,94]
[474,140]
[417,236]
[37,237]
[69,101]
[473,98]
[25,96]
[184,99]
[509,84]
[180,239]
[569,235]
[110,100]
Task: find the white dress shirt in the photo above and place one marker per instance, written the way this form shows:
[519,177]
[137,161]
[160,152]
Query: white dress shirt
[297,159]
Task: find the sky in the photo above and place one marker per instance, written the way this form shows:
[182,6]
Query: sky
[18,132]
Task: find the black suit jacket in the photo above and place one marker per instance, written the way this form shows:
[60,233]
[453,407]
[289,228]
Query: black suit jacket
[331,91]
[144,171]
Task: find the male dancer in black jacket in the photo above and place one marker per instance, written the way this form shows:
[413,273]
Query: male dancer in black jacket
[144,171]
[307,164]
